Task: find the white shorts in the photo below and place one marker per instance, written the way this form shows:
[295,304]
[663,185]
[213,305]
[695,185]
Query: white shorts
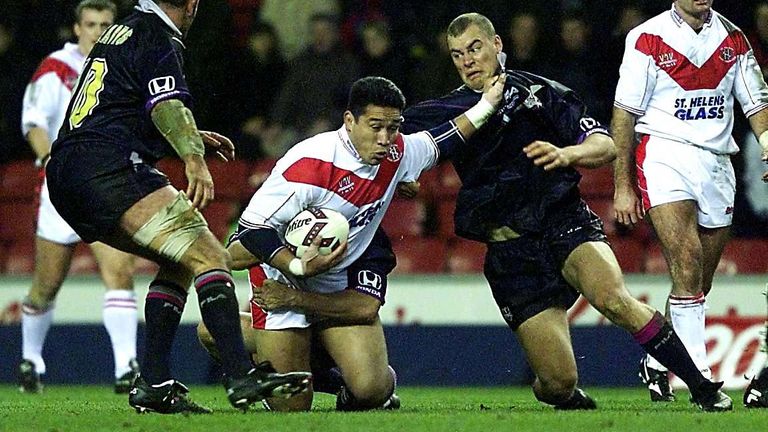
[50,226]
[670,171]
[276,319]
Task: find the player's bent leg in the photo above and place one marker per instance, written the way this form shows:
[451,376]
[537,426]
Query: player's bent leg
[361,353]
[249,337]
[676,227]
[546,341]
[593,270]
[287,350]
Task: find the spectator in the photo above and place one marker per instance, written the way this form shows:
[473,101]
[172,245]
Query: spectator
[525,44]
[379,56]
[291,18]
[313,95]
[432,75]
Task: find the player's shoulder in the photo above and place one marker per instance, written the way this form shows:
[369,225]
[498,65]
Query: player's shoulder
[655,25]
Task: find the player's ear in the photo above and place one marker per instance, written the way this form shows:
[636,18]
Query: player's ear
[349,119]
[192,7]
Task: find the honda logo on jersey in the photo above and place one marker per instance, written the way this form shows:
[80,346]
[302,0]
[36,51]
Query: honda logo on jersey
[162,85]
[368,278]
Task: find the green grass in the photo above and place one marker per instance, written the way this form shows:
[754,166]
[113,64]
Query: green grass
[443,409]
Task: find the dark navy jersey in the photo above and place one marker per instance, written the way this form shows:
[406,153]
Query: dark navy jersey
[135,65]
[500,185]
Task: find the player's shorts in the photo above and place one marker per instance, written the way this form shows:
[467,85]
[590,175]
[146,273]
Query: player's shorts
[368,275]
[670,171]
[92,186]
[50,225]
[525,273]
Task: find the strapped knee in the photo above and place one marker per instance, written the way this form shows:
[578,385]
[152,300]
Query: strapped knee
[173,229]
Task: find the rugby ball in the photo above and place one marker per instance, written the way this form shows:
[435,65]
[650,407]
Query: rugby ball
[329,224]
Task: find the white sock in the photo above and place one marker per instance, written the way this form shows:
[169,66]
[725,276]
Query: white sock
[687,315]
[121,320]
[34,328]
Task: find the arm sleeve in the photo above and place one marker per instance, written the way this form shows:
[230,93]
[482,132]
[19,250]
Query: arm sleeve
[570,117]
[42,99]
[161,76]
[749,87]
[637,74]
[276,202]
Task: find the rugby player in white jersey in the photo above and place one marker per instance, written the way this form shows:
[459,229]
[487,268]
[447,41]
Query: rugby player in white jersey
[681,72]
[45,104]
[356,171]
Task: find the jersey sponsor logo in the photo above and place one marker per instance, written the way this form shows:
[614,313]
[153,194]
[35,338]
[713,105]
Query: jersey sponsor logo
[346,185]
[700,107]
[667,60]
[588,123]
[686,74]
[507,314]
[367,278]
[532,101]
[366,216]
[162,85]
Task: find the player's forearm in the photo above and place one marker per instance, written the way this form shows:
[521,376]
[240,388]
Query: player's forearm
[347,306]
[623,130]
[177,124]
[452,135]
[38,140]
[596,150]
[759,124]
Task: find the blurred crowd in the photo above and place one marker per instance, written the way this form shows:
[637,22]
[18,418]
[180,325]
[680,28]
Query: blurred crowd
[270,72]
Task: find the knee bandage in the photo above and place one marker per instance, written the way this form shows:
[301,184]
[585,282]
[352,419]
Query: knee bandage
[172,230]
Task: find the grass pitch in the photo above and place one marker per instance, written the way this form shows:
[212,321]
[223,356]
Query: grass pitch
[443,409]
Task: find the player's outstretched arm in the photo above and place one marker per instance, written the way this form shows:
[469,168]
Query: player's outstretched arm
[475,117]
[348,306]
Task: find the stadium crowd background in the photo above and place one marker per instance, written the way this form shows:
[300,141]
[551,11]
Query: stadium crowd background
[268,72]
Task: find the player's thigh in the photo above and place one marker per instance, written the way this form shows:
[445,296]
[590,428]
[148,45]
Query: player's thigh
[546,340]
[360,351]
[593,270]
[115,266]
[52,262]
[165,223]
[675,224]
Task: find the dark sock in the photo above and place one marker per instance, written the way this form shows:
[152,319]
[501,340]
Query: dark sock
[218,307]
[762,378]
[345,401]
[327,380]
[659,339]
[162,313]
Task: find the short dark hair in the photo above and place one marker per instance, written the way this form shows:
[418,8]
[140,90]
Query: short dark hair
[176,3]
[374,90]
[97,5]
[461,23]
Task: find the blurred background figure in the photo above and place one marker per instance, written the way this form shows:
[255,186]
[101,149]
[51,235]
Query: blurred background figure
[432,74]
[524,45]
[379,57]
[291,18]
[261,70]
[758,37]
[313,95]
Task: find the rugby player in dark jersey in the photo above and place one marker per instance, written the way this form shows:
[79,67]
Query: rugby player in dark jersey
[129,109]
[520,197]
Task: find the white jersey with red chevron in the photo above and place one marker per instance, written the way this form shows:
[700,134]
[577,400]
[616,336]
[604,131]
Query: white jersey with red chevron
[48,92]
[682,84]
[326,171]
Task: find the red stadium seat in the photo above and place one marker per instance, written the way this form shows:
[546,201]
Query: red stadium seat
[19,257]
[220,216]
[630,253]
[230,179]
[17,220]
[430,184]
[259,171]
[444,216]
[19,180]
[744,256]
[419,254]
[174,169]
[405,217]
[465,256]
[654,260]
[597,183]
[449,184]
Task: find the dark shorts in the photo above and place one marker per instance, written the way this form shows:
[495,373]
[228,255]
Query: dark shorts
[92,186]
[525,273]
[368,274]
